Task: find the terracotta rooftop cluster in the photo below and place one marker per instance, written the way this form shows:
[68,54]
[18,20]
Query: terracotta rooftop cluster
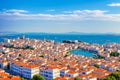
[54,56]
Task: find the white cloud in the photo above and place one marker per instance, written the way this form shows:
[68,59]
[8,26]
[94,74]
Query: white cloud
[114,4]
[72,15]
[51,10]
[15,11]
[89,12]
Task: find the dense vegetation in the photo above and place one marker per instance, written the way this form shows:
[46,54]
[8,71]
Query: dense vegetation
[38,77]
[98,57]
[96,65]
[115,54]
[41,56]
[12,46]
[55,59]
[113,76]
[22,79]
[76,79]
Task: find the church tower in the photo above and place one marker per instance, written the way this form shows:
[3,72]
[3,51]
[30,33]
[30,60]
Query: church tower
[23,36]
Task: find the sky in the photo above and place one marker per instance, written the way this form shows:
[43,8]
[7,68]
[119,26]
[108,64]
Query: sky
[59,16]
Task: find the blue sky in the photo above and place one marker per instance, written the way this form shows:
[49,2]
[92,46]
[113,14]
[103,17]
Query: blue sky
[57,16]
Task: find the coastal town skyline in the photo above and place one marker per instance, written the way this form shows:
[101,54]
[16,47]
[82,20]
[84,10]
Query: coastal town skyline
[60,40]
[35,59]
[95,16]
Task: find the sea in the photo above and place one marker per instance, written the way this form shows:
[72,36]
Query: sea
[89,38]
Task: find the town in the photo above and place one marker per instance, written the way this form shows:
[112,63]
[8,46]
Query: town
[24,57]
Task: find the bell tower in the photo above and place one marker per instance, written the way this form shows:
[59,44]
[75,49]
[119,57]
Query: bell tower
[23,36]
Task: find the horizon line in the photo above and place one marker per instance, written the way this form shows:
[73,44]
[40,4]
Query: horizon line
[72,32]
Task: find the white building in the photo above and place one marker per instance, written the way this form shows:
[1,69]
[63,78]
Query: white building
[29,72]
[7,40]
[3,64]
[2,49]
[63,72]
[50,73]
[24,70]
[72,74]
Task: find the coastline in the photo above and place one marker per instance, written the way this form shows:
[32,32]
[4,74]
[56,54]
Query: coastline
[92,39]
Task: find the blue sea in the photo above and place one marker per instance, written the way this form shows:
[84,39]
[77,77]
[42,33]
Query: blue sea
[92,39]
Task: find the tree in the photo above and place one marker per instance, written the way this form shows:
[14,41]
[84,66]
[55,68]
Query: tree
[18,58]
[20,55]
[22,79]
[76,79]
[41,56]
[3,53]
[96,65]
[113,76]
[108,78]
[55,59]
[38,77]
[66,55]
[98,57]
[115,54]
